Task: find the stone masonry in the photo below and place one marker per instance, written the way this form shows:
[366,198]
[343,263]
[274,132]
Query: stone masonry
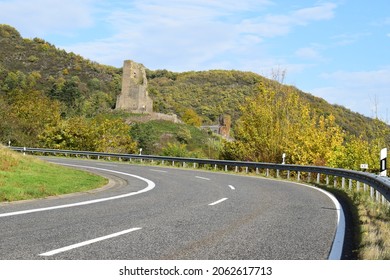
[134,96]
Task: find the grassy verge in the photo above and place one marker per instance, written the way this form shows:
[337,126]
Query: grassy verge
[368,232]
[374,220]
[24,177]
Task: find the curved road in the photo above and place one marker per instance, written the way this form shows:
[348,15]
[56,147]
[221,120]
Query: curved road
[151,212]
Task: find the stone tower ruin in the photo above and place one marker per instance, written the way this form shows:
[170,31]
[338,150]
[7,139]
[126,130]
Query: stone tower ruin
[134,96]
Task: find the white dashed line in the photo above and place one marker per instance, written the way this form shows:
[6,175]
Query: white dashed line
[156,170]
[81,244]
[232,187]
[106,164]
[218,201]
[203,178]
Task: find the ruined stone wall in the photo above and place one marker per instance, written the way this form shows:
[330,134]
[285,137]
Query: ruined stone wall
[134,96]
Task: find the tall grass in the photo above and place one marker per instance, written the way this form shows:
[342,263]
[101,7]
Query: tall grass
[374,220]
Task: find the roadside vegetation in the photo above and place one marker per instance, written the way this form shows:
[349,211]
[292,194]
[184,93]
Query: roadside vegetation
[374,221]
[24,177]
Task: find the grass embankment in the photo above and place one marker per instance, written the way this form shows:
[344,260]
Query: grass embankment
[24,177]
[369,224]
[374,221]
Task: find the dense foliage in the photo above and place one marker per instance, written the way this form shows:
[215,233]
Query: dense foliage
[275,123]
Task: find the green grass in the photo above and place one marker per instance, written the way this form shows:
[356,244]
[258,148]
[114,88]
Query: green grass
[25,177]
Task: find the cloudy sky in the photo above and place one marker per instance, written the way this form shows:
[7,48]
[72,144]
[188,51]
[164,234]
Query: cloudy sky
[338,49]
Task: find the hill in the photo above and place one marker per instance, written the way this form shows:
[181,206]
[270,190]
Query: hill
[42,86]
[216,92]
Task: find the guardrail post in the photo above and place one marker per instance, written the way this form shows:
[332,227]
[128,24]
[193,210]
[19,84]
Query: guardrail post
[327,180]
[194,165]
[215,167]
[257,170]
[277,173]
[236,169]
[246,169]
[365,187]
[309,177]
[288,174]
[318,178]
[173,163]
[343,183]
[267,173]
[226,168]
[357,186]
[350,184]
[299,176]
[335,181]
[372,192]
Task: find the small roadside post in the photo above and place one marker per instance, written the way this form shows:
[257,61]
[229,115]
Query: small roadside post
[383,162]
[364,167]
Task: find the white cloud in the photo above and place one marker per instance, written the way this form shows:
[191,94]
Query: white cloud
[282,24]
[366,92]
[348,39]
[183,35]
[40,17]
[373,78]
[309,53]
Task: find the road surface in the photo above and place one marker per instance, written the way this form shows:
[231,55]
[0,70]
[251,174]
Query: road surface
[152,212]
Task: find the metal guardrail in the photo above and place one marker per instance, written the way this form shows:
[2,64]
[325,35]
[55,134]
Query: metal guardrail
[379,186]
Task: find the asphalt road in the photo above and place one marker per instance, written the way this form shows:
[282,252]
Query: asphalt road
[151,212]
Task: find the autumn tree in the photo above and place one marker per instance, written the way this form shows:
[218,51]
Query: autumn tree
[276,123]
[97,134]
[191,117]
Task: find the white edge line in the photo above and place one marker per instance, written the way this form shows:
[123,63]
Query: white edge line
[156,170]
[150,186]
[218,201]
[203,178]
[232,187]
[81,244]
[338,241]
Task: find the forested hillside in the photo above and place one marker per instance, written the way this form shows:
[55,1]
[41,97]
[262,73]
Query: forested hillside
[216,92]
[52,98]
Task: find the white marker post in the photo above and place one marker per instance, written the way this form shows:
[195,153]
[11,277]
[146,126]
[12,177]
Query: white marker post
[383,162]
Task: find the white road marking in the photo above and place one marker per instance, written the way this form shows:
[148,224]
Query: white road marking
[232,187]
[107,164]
[338,242]
[218,201]
[81,244]
[150,186]
[203,178]
[156,170]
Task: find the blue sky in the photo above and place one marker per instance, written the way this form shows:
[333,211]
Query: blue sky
[338,49]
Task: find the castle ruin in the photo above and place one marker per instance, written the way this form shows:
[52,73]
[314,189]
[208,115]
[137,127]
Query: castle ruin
[134,96]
